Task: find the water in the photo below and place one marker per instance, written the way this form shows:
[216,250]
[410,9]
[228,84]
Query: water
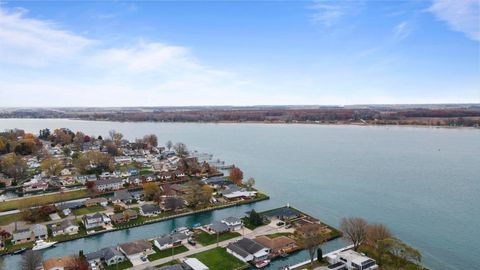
[424,183]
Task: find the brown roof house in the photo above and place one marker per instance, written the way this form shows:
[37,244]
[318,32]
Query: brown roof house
[136,250]
[277,245]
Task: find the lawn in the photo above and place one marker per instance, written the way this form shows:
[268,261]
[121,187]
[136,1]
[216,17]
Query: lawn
[159,254]
[43,199]
[88,210]
[248,225]
[208,239]
[119,266]
[7,219]
[275,235]
[219,259]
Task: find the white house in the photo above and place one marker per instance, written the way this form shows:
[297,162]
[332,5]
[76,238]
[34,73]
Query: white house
[195,264]
[67,226]
[92,221]
[149,210]
[248,250]
[109,184]
[233,223]
[353,260]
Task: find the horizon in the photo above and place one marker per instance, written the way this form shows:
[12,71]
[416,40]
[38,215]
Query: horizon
[178,54]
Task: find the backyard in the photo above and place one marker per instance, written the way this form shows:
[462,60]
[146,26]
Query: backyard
[206,239]
[219,259]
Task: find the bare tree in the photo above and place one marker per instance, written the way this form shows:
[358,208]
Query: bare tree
[31,260]
[310,239]
[354,230]
[115,136]
[377,232]
[181,150]
[169,145]
[250,182]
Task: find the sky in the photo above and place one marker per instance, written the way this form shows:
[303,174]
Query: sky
[183,53]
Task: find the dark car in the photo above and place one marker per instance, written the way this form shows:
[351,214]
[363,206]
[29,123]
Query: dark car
[280,223]
[191,242]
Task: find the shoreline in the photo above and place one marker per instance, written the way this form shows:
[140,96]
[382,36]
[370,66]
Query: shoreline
[356,124]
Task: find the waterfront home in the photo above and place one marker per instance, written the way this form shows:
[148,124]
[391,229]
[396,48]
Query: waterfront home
[233,223]
[235,192]
[136,249]
[122,196]
[171,240]
[283,213]
[248,250]
[217,181]
[35,185]
[108,255]
[309,230]
[64,263]
[22,236]
[148,210]
[195,264]
[67,226]
[352,260]
[39,231]
[278,245]
[126,216]
[218,227]
[109,184]
[85,178]
[170,203]
[93,221]
[96,201]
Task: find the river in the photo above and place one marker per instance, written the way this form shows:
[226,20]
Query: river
[423,183]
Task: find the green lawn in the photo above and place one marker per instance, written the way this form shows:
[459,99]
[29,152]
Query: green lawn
[275,235]
[219,259]
[44,199]
[88,210]
[208,239]
[119,266]
[159,254]
[7,219]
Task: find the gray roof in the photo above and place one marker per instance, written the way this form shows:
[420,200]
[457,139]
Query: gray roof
[21,234]
[232,220]
[39,229]
[282,212]
[230,189]
[218,180]
[122,195]
[248,245]
[150,208]
[63,225]
[109,181]
[219,227]
[237,250]
[171,238]
[104,253]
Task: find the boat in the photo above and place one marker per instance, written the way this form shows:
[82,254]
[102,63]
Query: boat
[261,264]
[42,244]
[283,255]
[20,251]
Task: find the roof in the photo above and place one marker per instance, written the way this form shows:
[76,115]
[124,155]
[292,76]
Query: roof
[275,243]
[96,200]
[282,212]
[219,227]
[104,253]
[122,195]
[39,229]
[231,220]
[195,264]
[63,225]
[21,234]
[249,245]
[355,257]
[238,250]
[58,262]
[109,181]
[135,247]
[150,208]
[217,180]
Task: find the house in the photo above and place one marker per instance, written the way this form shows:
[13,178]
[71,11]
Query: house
[353,260]
[22,236]
[93,221]
[67,226]
[96,201]
[233,223]
[283,213]
[109,184]
[136,249]
[171,203]
[171,240]
[109,255]
[126,216]
[310,230]
[123,159]
[235,192]
[64,263]
[122,196]
[216,182]
[248,250]
[39,231]
[149,210]
[195,264]
[277,245]
[218,227]
[85,178]
[65,172]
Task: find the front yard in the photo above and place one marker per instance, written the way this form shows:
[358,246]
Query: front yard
[119,266]
[206,239]
[88,210]
[159,254]
[219,259]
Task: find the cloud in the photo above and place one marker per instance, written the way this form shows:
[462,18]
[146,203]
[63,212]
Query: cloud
[460,15]
[402,30]
[329,13]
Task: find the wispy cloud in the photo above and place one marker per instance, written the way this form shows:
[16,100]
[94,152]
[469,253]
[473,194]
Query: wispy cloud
[402,30]
[329,13]
[460,15]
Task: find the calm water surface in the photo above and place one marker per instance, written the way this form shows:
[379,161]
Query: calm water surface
[424,183]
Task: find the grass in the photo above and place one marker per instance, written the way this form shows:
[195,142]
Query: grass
[159,254]
[7,219]
[25,202]
[219,259]
[248,225]
[88,210]
[275,235]
[145,171]
[208,239]
[315,265]
[123,265]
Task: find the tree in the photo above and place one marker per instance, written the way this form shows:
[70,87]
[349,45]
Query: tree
[376,233]
[355,230]
[14,166]
[181,150]
[78,263]
[196,196]
[90,185]
[151,190]
[207,192]
[236,175]
[255,219]
[310,239]
[319,255]
[250,183]
[94,162]
[151,140]
[115,136]
[401,251]
[31,260]
[51,166]
[169,145]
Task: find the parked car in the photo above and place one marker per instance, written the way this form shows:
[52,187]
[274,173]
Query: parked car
[280,223]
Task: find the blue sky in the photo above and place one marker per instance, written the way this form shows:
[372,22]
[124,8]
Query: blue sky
[117,53]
